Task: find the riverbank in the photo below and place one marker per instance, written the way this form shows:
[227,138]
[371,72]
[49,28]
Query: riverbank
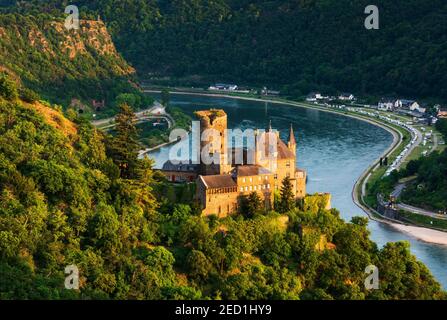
[416,232]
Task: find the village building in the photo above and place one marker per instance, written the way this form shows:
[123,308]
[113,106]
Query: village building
[98,105]
[442,113]
[346,97]
[314,96]
[223,87]
[388,104]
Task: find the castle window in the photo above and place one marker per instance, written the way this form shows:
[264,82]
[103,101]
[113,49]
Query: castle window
[243,180]
[255,188]
[265,177]
[275,176]
[246,188]
[251,179]
[268,186]
[259,187]
[259,178]
[242,189]
[251,188]
[288,164]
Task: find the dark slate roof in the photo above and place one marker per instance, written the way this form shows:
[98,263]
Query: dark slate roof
[181,167]
[387,100]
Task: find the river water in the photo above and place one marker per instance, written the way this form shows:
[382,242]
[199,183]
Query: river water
[334,150]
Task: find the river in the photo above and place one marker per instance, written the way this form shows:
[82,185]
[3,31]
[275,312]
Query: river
[334,150]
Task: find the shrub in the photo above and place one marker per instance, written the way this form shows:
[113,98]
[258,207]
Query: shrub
[29,95]
[8,88]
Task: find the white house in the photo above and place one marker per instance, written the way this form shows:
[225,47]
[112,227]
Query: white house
[346,97]
[314,96]
[223,87]
[416,107]
[408,104]
[442,113]
[387,104]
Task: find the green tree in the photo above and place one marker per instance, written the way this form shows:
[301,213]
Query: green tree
[287,201]
[8,88]
[132,100]
[198,264]
[165,97]
[29,95]
[124,146]
[251,205]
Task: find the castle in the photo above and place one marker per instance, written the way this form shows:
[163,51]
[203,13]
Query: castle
[221,185]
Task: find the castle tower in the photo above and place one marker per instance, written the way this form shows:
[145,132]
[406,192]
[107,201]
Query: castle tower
[291,144]
[216,144]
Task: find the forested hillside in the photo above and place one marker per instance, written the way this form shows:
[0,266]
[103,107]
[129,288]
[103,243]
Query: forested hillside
[39,52]
[70,195]
[294,45]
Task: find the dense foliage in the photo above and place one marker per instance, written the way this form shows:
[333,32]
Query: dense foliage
[63,65]
[295,45]
[74,199]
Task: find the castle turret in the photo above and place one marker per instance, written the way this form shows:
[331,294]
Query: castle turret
[291,144]
[214,144]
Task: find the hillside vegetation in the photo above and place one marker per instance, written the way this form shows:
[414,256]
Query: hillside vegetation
[70,195]
[294,45]
[39,52]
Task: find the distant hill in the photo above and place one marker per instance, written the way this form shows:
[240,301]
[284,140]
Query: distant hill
[294,45]
[60,64]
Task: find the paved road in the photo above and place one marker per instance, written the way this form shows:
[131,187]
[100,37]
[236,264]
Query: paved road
[412,209]
[156,109]
[143,118]
[155,112]
[397,192]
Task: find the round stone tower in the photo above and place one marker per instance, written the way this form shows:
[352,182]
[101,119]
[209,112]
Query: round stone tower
[213,126]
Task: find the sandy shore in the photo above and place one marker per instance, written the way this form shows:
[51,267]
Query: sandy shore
[424,234]
[420,233]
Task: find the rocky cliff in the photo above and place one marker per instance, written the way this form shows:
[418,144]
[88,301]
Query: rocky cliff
[55,61]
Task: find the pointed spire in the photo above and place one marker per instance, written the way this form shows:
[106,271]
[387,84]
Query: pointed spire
[270,126]
[291,135]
